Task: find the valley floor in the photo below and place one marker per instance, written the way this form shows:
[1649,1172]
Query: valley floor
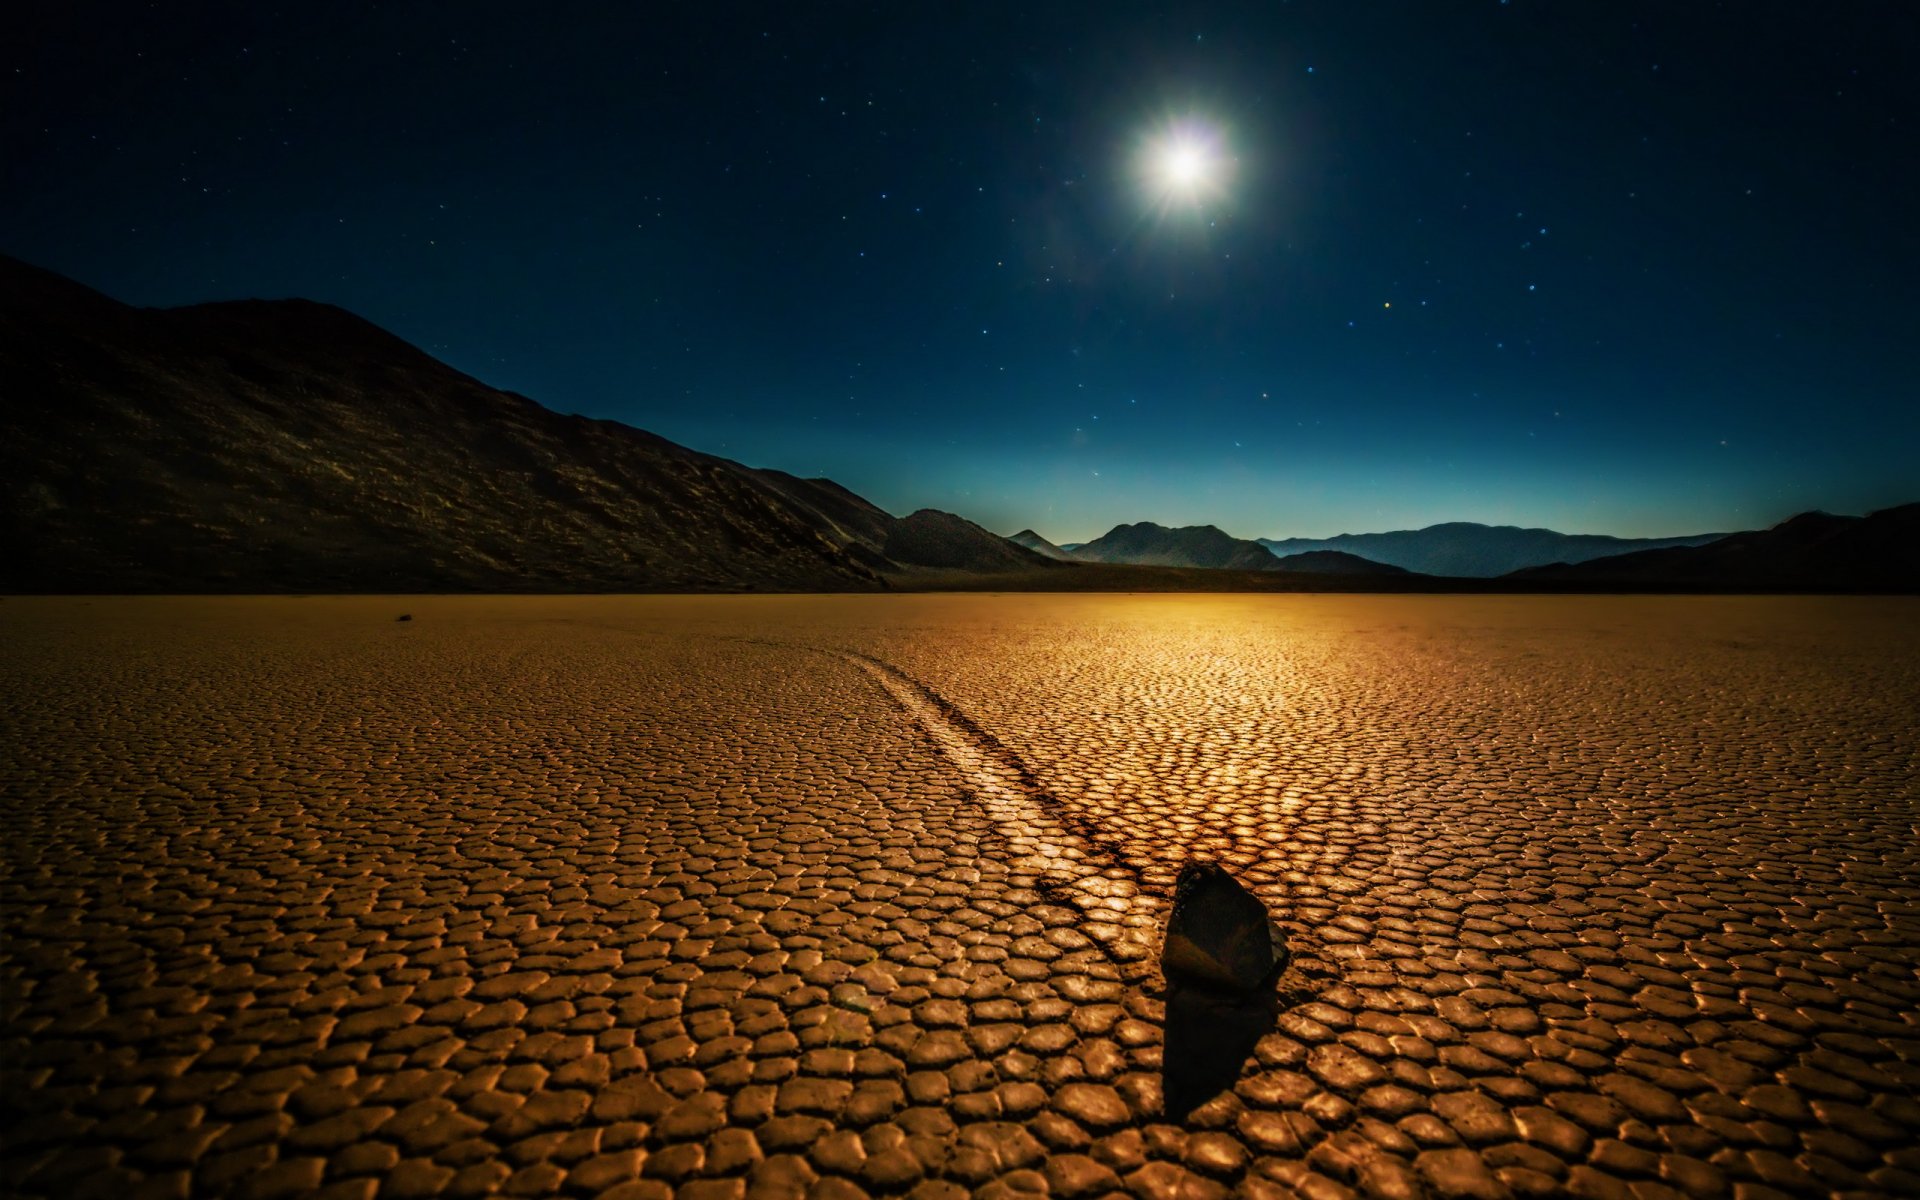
[629,896]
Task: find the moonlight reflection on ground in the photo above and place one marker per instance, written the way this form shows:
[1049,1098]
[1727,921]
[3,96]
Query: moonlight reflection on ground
[862,896]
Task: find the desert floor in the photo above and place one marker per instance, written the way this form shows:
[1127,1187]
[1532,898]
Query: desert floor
[842,895]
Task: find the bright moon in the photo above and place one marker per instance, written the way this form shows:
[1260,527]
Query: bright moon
[1183,165]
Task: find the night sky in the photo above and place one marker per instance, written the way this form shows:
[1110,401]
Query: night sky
[1604,267]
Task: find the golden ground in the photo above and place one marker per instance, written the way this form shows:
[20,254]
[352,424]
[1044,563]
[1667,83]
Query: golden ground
[773,895]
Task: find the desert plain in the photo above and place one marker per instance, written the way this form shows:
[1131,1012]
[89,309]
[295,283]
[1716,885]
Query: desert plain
[839,896]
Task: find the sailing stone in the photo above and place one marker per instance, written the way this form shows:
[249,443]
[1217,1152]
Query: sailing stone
[1219,936]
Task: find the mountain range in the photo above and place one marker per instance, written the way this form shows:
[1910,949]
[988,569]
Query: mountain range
[292,446]
[1154,545]
[1877,552]
[1470,550]
[1148,544]
[1813,551]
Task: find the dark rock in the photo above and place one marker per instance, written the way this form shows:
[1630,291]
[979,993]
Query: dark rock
[1219,935]
[404,617]
[1221,958]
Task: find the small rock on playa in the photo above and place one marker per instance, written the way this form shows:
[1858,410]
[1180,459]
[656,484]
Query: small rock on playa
[1218,934]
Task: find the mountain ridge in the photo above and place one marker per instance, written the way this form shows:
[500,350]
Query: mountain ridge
[1336,562]
[1879,551]
[290,445]
[1468,549]
[1145,543]
[1039,545]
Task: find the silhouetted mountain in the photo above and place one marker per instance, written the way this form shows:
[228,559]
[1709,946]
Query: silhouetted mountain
[1336,562]
[1193,546]
[1463,548]
[931,538]
[1813,551]
[1040,545]
[288,445]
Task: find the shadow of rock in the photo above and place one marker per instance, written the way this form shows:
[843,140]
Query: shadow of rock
[1209,1037]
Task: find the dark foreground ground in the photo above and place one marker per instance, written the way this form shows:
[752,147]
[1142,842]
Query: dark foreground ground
[858,895]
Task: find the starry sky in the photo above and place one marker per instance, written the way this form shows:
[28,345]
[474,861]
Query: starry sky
[1625,268]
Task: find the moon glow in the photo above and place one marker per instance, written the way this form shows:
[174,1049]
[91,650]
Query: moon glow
[1183,165]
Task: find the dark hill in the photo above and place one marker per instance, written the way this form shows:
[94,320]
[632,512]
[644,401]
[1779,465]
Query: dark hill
[288,445]
[1814,551]
[1154,545]
[1466,549]
[1040,545]
[931,538]
[1336,562]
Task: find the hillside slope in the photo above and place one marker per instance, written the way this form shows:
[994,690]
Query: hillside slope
[1336,562]
[288,445]
[1814,551]
[1039,545]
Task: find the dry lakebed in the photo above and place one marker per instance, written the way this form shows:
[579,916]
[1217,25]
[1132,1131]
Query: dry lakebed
[837,896]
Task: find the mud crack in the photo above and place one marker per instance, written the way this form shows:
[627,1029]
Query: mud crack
[1072,860]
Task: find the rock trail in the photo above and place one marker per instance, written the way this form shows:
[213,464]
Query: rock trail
[1074,862]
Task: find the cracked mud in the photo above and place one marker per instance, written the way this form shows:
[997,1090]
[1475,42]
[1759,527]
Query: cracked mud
[781,896]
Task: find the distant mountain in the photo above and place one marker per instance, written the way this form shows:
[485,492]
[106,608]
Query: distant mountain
[288,445]
[1040,545]
[1336,562]
[931,538]
[1193,546]
[1463,548]
[1813,551]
